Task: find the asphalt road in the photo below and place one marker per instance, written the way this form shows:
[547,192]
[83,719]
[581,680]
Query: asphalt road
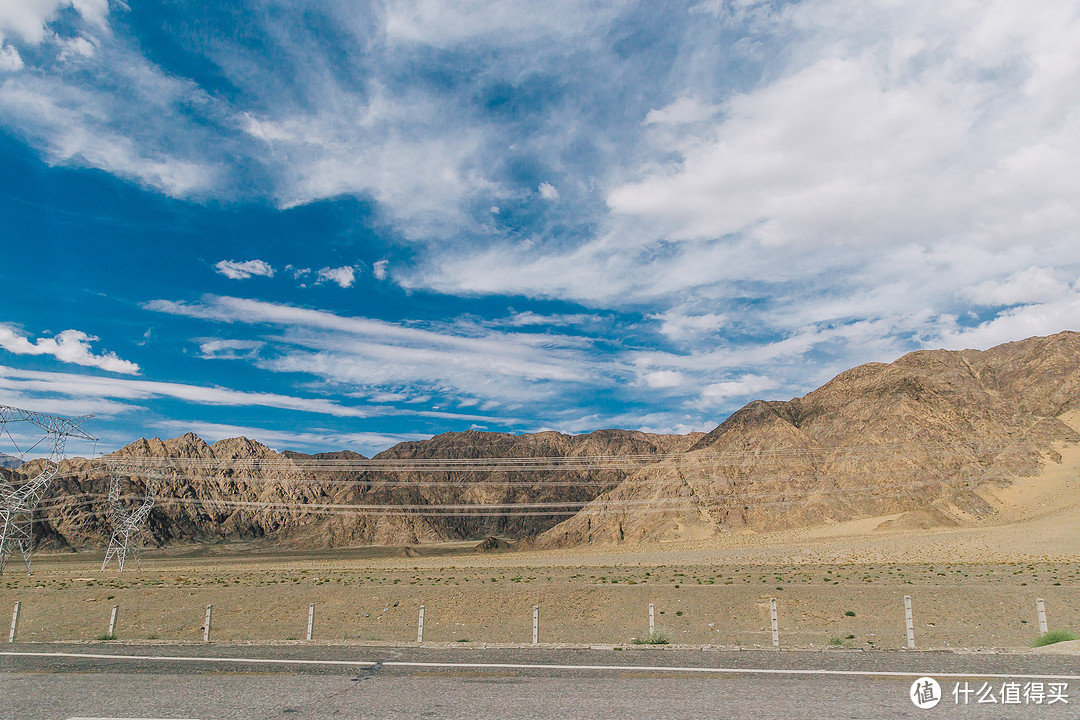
[296,682]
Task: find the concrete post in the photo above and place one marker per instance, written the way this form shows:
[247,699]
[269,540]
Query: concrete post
[206,625]
[652,622]
[1040,608]
[420,626]
[310,619]
[536,624]
[909,623]
[775,623]
[112,621]
[14,622]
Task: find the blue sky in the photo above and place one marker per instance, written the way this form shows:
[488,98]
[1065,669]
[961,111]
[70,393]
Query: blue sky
[340,225]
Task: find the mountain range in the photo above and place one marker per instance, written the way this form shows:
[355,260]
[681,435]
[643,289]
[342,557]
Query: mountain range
[919,439]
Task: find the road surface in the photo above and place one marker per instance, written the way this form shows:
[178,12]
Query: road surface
[295,682]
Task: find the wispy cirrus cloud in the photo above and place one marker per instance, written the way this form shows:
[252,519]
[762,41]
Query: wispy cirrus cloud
[128,391]
[127,121]
[458,361]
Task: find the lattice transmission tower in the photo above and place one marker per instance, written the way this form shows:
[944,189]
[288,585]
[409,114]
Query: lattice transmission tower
[17,504]
[128,523]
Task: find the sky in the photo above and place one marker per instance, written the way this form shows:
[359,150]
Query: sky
[340,225]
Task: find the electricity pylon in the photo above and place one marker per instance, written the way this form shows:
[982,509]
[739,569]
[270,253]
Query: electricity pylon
[128,523]
[17,504]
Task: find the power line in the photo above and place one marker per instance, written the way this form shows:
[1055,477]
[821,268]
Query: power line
[540,463]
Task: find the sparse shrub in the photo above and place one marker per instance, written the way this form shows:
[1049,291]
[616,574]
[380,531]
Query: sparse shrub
[850,613]
[1054,636]
[835,641]
[103,637]
[659,637]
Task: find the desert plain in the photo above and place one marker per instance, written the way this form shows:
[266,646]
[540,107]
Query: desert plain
[837,586]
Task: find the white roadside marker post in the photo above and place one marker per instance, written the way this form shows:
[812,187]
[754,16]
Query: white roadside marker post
[310,619]
[652,622]
[420,626]
[775,623]
[536,624]
[909,622]
[14,622]
[206,624]
[1040,607]
[112,621]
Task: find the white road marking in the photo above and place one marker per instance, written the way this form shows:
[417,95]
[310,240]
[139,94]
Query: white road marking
[540,666]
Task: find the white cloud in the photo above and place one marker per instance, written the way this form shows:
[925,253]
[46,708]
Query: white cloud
[71,125]
[379,269]
[663,379]
[70,346]
[1033,285]
[947,124]
[10,60]
[529,318]
[343,276]
[76,48]
[1018,323]
[441,25]
[547,191]
[31,381]
[396,148]
[676,324]
[744,386]
[684,110]
[103,105]
[229,349]
[29,19]
[235,270]
[72,394]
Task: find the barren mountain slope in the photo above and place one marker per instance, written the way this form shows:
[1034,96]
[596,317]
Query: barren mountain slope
[922,434]
[209,499]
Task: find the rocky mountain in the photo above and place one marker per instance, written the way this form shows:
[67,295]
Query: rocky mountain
[919,436]
[9,461]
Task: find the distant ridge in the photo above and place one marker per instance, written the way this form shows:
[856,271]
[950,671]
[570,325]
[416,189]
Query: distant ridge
[213,501]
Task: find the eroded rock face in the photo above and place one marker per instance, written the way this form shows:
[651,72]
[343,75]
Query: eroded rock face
[920,434]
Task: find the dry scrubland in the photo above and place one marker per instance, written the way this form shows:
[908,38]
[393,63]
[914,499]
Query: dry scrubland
[260,595]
